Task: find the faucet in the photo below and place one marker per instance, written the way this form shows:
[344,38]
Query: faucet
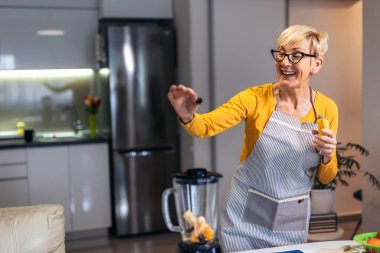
[76,123]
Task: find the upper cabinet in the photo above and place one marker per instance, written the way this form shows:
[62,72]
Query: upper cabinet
[136,8]
[25,42]
[50,3]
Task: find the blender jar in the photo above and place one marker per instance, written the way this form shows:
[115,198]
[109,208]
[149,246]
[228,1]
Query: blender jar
[195,197]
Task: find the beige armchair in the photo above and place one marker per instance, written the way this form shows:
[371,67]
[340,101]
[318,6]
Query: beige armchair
[32,229]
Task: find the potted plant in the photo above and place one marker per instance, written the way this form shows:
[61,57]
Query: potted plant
[323,196]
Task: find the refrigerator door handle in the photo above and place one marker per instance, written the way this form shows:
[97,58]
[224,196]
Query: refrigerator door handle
[147,151]
[136,153]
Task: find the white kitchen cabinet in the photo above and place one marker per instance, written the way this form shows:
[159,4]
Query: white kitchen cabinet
[48,177]
[75,176]
[90,188]
[12,156]
[13,193]
[13,178]
[136,9]
[22,48]
[50,3]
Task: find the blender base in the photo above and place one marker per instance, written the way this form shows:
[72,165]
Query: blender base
[213,247]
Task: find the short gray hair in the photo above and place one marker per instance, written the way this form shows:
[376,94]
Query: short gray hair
[297,33]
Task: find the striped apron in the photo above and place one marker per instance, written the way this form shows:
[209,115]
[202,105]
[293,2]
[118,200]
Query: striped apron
[268,202]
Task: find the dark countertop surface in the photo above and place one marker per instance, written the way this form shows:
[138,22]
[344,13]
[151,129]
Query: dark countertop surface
[43,142]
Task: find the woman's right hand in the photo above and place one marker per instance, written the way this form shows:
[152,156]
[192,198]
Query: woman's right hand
[183,100]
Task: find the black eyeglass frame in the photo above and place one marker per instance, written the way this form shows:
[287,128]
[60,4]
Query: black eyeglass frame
[288,55]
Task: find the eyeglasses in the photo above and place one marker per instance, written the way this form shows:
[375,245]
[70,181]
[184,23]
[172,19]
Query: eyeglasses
[293,57]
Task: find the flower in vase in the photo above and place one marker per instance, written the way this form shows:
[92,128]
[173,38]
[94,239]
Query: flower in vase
[92,104]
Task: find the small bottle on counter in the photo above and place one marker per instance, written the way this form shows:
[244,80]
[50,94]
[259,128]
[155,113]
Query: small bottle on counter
[20,125]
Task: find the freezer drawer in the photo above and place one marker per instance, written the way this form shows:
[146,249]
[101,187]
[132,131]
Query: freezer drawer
[139,178]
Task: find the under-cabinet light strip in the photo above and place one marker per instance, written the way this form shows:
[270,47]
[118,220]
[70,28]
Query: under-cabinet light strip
[46,73]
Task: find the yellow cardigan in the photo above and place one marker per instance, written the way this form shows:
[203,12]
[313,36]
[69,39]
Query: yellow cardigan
[255,105]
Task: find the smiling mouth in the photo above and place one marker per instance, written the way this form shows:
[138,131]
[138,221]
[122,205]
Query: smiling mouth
[288,73]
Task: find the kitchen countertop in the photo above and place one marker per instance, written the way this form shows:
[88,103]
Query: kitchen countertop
[311,247]
[42,142]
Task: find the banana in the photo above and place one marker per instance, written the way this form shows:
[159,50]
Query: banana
[322,123]
[199,229]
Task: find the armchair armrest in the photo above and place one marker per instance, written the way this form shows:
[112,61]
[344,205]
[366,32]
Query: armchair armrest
[35,229]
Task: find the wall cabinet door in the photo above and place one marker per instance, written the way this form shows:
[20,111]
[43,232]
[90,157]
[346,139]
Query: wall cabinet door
[49,178]
[90,188]
[136,9]
[23,48]
[50,3]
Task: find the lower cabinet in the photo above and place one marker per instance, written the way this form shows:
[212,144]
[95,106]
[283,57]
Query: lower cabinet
[75,176]
[90,189]
[13,178]
[13,193]
[48,177]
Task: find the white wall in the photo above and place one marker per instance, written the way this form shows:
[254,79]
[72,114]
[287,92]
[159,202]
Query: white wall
[341,75]
[200,81]
[244,32]
[182,21]
[192,22]
[371,118]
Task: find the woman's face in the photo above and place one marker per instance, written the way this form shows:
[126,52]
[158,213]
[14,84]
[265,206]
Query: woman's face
[296,75]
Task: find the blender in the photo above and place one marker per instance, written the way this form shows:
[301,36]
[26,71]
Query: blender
[195,197]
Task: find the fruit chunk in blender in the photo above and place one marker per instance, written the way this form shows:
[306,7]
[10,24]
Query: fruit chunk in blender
[199,231]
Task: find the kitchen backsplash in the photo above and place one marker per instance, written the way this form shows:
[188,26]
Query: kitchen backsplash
[50,104]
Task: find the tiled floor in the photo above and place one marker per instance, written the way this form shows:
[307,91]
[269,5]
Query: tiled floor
[156,243]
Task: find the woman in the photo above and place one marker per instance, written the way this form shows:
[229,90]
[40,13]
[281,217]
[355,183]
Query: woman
[268,202]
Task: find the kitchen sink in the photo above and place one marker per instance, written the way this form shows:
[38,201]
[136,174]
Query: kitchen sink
[59,136]
[52,139]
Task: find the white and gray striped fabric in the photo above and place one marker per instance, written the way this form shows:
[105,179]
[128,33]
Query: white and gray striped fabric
[268,203]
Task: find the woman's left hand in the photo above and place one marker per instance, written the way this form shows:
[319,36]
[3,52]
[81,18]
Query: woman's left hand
[325,144]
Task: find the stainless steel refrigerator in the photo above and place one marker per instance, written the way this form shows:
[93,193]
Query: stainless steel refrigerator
[142,62]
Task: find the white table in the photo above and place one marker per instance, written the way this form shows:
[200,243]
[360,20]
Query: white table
[306,248]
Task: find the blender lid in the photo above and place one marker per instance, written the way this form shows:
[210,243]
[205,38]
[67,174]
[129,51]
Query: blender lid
[197,176]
